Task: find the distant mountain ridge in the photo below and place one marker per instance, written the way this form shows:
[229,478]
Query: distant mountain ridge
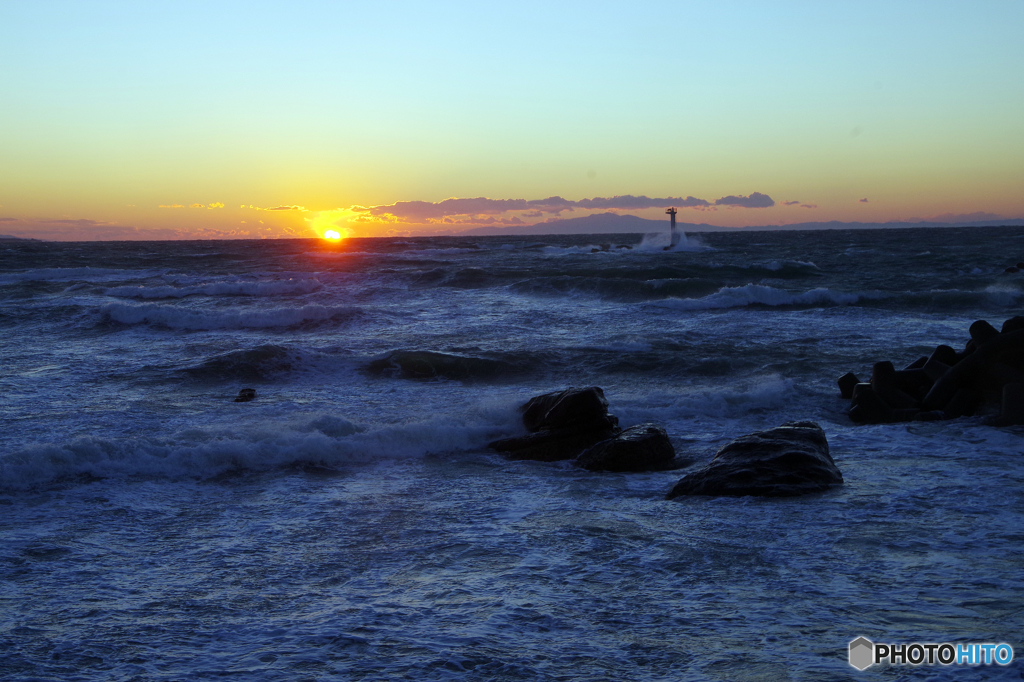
[609,223]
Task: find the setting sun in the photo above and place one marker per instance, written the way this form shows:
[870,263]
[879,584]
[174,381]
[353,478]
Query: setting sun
[332,234]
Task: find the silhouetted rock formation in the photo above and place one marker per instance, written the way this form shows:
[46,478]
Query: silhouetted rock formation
[948,384]
[789,460]
[644,447]
[562,424]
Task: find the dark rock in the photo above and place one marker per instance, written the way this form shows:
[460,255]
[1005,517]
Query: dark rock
[982,332]
[1012,409]
[963,403]
[1020,264]
[556,444]
[966,373]
[883,382]
[1013,324]
[944,354]
[917,364]
[563,409]
[644,447]
[1012,269]
[904,415]
[789,460]
[931,416]
[846,384]
[935,369]
[562,424]
[914,382]
[245,395]
[867,407]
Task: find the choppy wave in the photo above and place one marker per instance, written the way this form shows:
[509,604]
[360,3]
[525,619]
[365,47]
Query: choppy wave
[769,392]
[267,288]
[421,364]
[326,440]
[66,274]
[251,364]
[614,288]
[756,294]
[254,318]
[658,241]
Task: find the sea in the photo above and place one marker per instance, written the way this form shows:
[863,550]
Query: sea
[350,523]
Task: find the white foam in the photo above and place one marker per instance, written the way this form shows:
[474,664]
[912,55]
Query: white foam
[756,294]
[779,265]
[1002,294]
[266,288]
[254,318]
[767,392]
[658,241]
[205,452]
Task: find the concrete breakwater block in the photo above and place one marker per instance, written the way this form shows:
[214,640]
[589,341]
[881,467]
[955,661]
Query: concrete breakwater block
[947,384]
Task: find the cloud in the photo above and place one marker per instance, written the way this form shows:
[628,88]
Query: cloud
[808,206]
[196,206]
[755,200]
[628,202]
[215,204]
[864,200]
[790,203]
[285,208]
[170,206]
[480,209]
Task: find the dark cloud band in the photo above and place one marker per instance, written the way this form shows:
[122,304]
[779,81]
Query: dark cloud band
[425,211]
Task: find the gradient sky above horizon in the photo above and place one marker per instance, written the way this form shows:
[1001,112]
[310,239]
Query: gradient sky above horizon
[111,110]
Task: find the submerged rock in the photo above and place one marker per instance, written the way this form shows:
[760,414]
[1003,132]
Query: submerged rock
[245,395]
[789,460]
[555,444]
[644,447]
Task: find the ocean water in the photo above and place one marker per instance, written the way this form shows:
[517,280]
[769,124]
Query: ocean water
[350,523]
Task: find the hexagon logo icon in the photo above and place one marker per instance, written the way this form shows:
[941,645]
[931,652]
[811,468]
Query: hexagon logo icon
[862,653]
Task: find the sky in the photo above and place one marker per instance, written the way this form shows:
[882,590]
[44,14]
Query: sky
[171,120]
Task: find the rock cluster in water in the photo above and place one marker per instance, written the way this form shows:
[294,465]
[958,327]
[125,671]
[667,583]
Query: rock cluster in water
[786,461]
[575,424]
[986,377]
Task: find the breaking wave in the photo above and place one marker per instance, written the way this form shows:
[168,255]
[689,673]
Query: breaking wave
[614,288]
[252,364]
[756,294]
[326,440]
[421,364]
